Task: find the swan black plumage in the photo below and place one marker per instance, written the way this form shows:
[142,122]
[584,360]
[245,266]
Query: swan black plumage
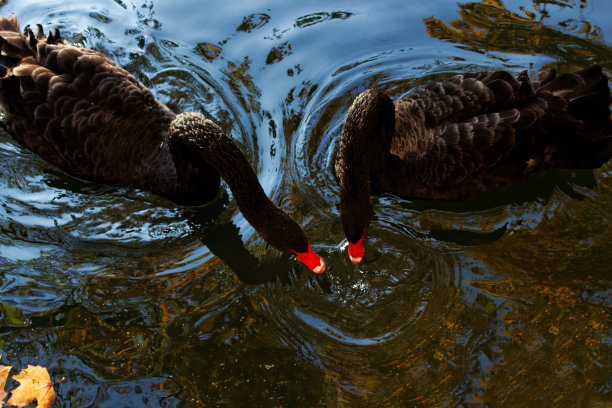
[83,113]
[470,133]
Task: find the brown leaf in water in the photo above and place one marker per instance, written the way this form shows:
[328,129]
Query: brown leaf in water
[4,372]
[35,383]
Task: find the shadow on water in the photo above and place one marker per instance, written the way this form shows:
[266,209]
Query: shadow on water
[223,239]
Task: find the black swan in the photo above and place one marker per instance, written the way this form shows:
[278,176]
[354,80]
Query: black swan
[467,134]
[83,113]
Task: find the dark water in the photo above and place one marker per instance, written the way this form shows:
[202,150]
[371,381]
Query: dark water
[503,300]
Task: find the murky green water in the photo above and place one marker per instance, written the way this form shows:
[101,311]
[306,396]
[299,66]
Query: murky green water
[503,300]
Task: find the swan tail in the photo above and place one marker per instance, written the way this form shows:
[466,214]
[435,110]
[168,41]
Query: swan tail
[23,78]
[13,44]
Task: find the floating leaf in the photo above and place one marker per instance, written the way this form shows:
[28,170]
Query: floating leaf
[4,372]
[34,384]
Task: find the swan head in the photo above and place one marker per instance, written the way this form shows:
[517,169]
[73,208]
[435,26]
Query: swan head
[355,251]
[355,215]
[312,261]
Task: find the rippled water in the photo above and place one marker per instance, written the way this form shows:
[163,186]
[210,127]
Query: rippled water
[501,300]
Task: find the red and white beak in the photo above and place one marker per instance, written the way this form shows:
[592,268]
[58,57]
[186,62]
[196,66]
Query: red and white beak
[355,251]
[313,261]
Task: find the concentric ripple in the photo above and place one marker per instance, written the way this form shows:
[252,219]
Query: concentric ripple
[499,300]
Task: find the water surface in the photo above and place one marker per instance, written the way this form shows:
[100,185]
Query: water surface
[502,300]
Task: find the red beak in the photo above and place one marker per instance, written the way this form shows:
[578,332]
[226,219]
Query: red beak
[313,261]
[355,251]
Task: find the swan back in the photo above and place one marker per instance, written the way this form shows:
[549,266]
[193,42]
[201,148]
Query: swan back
[79,110]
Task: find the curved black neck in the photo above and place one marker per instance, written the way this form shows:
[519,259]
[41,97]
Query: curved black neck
[365,141]
[206,140]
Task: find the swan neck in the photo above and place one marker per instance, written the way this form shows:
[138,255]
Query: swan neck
[360,163]
[202,137]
